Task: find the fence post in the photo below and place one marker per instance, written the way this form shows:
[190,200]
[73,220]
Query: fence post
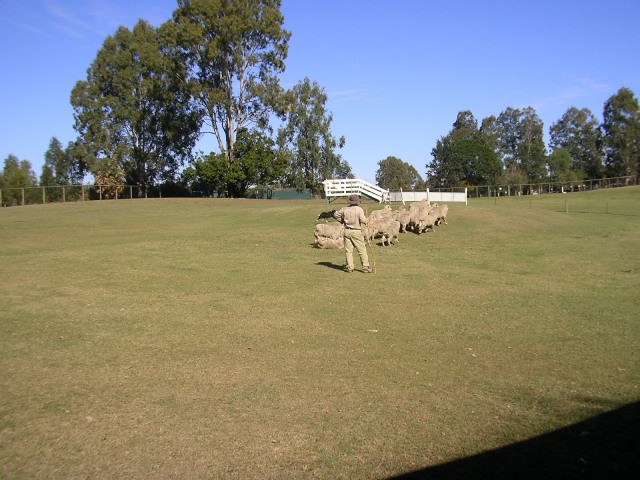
[43,199]
[64,197]
[22,197]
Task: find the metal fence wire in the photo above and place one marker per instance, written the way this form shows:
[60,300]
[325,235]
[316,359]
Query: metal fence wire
[19,196]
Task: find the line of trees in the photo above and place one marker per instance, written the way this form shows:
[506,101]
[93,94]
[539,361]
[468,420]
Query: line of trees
[213,68]
[510,149]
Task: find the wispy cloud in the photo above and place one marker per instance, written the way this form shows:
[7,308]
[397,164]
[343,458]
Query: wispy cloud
[73,22]
[580,89]
[350,95]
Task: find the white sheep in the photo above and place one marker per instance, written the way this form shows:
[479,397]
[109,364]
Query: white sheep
[416,210]
[388,228]
[329,230]
[329,235]
[404,217]
[326,242]
[383,213]
[425,221]
[440,213]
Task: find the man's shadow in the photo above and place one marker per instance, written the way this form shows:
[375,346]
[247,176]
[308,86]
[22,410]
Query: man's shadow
[331,265]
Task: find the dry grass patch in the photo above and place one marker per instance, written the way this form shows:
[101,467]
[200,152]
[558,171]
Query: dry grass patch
[207,339]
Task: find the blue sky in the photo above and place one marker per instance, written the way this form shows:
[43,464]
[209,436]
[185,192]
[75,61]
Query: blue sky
[397,72]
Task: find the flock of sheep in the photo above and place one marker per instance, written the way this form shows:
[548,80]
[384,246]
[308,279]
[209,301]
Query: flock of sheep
[385,223]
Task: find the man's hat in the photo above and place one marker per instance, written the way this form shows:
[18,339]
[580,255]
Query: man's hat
[354,200]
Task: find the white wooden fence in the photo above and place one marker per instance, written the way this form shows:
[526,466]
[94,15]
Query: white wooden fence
[437,196]
[343,187]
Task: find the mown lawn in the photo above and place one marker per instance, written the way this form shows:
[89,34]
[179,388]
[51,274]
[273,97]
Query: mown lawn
[208,339]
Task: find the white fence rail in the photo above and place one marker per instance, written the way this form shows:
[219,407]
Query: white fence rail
[343,187]
[437,196]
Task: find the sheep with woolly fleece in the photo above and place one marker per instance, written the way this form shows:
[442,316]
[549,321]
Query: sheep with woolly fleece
[329,235]
[404,217]
[440,213]
[388,228]
[385,212]
[332,243]
[416,210]
[425,220]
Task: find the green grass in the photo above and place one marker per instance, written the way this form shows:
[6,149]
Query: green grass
[208,339]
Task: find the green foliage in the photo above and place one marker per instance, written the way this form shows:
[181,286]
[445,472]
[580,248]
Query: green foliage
[513,176]
[621,127]
[17,174]
[234,51]
[257,163]
[261,163]
[64,166]
[464,156]
[56,159]
[579,134]
[134,108]
[394,174]
[559,163]
[207,175]
[47,177]
[307,140]
[521,142]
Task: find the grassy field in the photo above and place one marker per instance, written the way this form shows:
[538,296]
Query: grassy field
[208,339]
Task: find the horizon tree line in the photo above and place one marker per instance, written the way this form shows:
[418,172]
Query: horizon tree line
[213,69]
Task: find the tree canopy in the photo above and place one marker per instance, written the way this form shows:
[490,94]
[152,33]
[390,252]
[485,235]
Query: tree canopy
[394,174]
[307,140]
[621,127]
[132,110]
[16,174]
[234,52]
[578,133]
[464,156]
[257,162]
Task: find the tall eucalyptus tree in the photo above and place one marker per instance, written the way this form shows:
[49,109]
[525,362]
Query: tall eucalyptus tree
[578,132]
[131,112]
[234,51]
[307,139]
[621,126]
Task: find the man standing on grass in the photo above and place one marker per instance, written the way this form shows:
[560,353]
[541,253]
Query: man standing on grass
[353,218]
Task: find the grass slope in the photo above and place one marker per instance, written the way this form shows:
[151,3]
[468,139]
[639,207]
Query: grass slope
[208,339]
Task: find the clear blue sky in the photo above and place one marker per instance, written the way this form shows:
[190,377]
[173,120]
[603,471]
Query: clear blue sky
[396,72]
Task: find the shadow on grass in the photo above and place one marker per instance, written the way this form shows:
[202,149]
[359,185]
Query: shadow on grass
[603,447]
[331,265]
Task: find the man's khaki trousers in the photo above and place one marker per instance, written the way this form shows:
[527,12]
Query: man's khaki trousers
[354,238]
